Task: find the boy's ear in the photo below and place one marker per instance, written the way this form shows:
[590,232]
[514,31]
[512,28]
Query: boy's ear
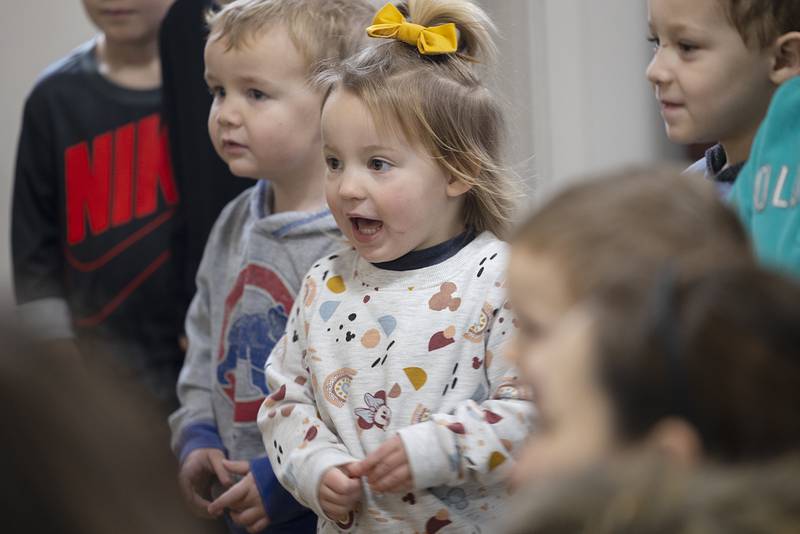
[787,58]
[456,187]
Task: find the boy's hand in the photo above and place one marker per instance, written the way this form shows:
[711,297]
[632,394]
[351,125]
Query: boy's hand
[197,475]
[242,499]
[387,468]
[339,492]
[183,343]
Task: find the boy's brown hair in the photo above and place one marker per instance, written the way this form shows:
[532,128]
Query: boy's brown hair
[596,227]
[322,30]
[761,22]
[715,346]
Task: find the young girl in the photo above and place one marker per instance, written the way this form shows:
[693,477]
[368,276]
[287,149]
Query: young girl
[393,406]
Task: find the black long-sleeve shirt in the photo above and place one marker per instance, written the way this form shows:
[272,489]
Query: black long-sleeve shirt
[93,215]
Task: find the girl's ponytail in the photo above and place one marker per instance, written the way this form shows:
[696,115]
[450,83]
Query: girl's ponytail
[475,29]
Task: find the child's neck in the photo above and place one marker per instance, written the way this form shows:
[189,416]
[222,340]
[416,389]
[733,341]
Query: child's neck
[299,193]
[130,65]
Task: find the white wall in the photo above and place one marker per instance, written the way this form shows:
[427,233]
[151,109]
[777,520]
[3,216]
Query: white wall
[33,34]
[573,71]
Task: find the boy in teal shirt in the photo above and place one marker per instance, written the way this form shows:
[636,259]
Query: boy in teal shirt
[767,193]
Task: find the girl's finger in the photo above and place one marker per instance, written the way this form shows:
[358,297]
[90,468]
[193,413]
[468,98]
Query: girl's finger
[392,462]
[395,480]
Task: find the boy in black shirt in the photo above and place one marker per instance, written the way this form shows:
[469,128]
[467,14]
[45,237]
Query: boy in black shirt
[94,200]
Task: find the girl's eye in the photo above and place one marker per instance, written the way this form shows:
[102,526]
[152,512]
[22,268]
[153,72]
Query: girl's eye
[655,41]
[379,165]
[333,163]
[686,48]
[255,94]
[217,92]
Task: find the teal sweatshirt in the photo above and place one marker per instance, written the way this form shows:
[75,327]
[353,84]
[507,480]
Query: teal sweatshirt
[767,192]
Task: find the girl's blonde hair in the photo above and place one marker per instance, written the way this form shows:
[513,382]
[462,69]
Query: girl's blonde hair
[440,103]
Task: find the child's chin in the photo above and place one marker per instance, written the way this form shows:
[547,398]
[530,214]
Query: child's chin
[241,172]
[680,136]
[370,254]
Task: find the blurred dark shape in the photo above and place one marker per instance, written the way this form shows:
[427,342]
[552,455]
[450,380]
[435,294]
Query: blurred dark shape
[84,452]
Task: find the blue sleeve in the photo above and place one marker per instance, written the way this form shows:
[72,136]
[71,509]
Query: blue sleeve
[199,436]
[279,504]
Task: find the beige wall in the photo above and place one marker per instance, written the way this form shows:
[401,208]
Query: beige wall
[33,34]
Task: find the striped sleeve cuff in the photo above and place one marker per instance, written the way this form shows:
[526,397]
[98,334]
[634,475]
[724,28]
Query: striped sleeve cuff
[199,436]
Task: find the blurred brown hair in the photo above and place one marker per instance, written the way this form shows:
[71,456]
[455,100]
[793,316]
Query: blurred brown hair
[83,452]
[716,347]
[650,496]
[641,214]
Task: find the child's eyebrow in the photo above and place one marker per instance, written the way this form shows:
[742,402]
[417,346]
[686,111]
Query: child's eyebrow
[378,148]
[682,27]
[253,80]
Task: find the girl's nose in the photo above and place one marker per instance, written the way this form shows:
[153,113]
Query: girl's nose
[351,186]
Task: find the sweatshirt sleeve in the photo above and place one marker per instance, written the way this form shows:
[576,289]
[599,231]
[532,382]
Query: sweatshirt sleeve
[36,227]
[476,440]
[741,194]
[193,424]
[299,444]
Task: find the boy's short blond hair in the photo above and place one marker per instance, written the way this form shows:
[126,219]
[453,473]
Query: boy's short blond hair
[322,30]
[761,22]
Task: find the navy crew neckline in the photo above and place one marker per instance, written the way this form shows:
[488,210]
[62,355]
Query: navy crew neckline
[716,158]
[428,257]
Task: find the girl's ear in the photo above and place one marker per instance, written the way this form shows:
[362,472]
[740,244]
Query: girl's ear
[456,187]
[786,58]
[677,439]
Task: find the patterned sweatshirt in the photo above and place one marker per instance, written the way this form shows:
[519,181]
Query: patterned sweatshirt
[371,353]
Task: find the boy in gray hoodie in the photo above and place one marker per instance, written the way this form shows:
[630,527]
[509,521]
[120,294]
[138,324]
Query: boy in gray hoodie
[265,123]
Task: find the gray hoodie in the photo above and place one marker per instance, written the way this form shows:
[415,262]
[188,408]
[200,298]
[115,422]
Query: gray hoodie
[252,268]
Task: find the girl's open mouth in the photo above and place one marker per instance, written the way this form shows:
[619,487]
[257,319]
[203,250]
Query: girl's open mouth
[365,229]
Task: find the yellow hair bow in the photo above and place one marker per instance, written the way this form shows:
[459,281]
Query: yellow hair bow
[389,23]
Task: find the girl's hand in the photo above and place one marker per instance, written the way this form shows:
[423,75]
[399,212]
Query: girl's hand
[387,468]
[339,493]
